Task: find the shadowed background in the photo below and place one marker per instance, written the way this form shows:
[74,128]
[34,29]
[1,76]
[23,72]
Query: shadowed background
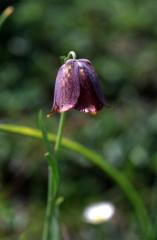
[120,38]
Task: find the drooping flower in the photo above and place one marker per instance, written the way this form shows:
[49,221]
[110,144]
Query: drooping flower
[77,87]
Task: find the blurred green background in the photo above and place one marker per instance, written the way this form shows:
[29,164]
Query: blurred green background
[120,38]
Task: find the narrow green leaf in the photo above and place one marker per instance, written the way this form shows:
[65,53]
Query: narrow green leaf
[5,14]
[49,155]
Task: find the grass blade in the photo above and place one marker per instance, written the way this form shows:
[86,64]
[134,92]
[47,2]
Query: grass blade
[5,14]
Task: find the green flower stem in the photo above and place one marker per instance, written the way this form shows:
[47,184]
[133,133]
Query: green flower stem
[51,229]
[54,211]
[59,134]
[47,225]
[72,54]
[52,185]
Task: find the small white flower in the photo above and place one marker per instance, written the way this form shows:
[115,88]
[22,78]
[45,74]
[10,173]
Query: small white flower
[99,212]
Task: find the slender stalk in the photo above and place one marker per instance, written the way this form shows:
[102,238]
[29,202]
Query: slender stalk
[59,134]
[51,231]
[72,54]
[54,211]
[46,231]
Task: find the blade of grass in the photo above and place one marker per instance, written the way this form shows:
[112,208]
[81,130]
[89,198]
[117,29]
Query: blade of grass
[128,189]
[5,14]
[49,155]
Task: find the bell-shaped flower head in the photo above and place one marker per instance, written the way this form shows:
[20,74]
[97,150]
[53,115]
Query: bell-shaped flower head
[77,86]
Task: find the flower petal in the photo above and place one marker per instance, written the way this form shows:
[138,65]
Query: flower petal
[90,71]
[88,100]
[67,87]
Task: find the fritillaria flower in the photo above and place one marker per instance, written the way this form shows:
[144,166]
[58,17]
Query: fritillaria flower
[77,87]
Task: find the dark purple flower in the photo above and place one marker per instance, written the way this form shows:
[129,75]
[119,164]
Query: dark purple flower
[77,87]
